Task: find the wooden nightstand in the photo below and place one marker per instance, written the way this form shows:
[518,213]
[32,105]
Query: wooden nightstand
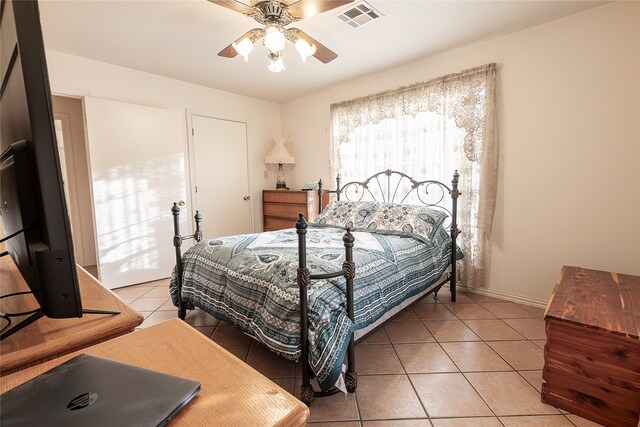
[280,208]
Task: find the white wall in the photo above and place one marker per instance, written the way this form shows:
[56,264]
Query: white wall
[77,76]
[569,123]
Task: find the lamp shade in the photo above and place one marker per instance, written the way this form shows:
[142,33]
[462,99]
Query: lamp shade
[278,153]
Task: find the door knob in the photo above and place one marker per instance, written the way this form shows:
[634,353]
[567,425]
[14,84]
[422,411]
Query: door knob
[247,197]
[180,203]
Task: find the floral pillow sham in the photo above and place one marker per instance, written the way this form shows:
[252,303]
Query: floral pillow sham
[393,218]
[382,217]
[346,214]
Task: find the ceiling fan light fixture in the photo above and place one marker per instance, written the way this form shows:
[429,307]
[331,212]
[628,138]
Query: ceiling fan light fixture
[276,65]
[305,49]
[274,16]
[243,48]
[274,40]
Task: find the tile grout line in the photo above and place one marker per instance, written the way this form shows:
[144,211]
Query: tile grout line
[424,408]
[469,382]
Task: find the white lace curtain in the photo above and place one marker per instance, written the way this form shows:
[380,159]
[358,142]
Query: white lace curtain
[428,130]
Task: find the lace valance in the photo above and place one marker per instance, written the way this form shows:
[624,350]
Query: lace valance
[460,96]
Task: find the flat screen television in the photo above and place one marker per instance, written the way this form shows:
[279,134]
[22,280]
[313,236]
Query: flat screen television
[35,223]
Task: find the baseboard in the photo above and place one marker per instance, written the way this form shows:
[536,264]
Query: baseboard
[520,299]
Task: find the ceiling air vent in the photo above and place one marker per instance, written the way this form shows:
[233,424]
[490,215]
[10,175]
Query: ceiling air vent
[359,14]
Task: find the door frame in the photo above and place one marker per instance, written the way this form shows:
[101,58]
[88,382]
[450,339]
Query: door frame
[69,175]
[81,94]
[191,178]
[89,255]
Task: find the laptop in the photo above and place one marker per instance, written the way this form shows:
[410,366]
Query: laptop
[91,391]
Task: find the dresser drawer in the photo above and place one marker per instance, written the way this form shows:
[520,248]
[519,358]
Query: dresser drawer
[271,223]
[284,211]
[292,197]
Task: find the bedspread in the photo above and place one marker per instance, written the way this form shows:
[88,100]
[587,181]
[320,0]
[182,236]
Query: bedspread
[250,282]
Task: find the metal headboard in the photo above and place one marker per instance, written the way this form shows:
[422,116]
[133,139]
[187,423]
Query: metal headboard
[398,187]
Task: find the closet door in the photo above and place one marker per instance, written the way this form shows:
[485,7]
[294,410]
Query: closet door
[219,174]
[137,161]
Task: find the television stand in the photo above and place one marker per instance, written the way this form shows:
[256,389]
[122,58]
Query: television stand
[50,338]
[35,315]
[232,394]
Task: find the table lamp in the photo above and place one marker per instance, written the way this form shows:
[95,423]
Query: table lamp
[279,155]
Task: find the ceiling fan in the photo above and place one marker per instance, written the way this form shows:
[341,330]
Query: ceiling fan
[275,15]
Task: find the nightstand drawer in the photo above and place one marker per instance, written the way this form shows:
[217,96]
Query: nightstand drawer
[284,211]
[299,197]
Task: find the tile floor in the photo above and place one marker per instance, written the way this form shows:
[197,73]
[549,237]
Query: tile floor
[477,362]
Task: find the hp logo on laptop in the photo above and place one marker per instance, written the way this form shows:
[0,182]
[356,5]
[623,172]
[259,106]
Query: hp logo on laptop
[82,401]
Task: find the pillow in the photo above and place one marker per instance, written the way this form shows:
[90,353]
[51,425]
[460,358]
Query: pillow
[393,218]
[346,214]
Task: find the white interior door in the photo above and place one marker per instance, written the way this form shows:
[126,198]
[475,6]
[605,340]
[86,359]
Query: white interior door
[220,177]
[137,160]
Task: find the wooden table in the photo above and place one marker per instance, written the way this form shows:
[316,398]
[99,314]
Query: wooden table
[48,338]
[232,394]
[592,355]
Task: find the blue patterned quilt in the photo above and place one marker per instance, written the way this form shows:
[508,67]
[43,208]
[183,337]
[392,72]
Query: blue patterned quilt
[250,282]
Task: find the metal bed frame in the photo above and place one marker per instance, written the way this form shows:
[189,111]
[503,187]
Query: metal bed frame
[430,193]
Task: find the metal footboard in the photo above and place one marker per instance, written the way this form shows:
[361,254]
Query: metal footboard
[304,280]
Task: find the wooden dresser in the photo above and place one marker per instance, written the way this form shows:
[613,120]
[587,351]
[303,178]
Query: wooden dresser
[280,208]
[592,355]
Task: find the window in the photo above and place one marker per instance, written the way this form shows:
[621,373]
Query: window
[429,130]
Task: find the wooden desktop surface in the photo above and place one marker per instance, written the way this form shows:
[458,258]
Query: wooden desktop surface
[232,393]
[48,338]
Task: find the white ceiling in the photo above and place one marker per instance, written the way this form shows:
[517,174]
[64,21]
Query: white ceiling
[181,39]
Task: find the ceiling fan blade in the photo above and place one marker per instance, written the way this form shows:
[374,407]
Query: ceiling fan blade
[323,53]
[230,51]
[234,5]
[306,8]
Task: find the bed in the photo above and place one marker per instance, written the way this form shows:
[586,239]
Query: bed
[310,292]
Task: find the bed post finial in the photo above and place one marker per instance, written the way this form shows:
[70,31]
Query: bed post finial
[454,185]
[177,240]
[338,189]
[301,223]
[198,233]
[320,195]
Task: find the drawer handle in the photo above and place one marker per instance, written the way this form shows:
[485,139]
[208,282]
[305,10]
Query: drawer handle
[247,197]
